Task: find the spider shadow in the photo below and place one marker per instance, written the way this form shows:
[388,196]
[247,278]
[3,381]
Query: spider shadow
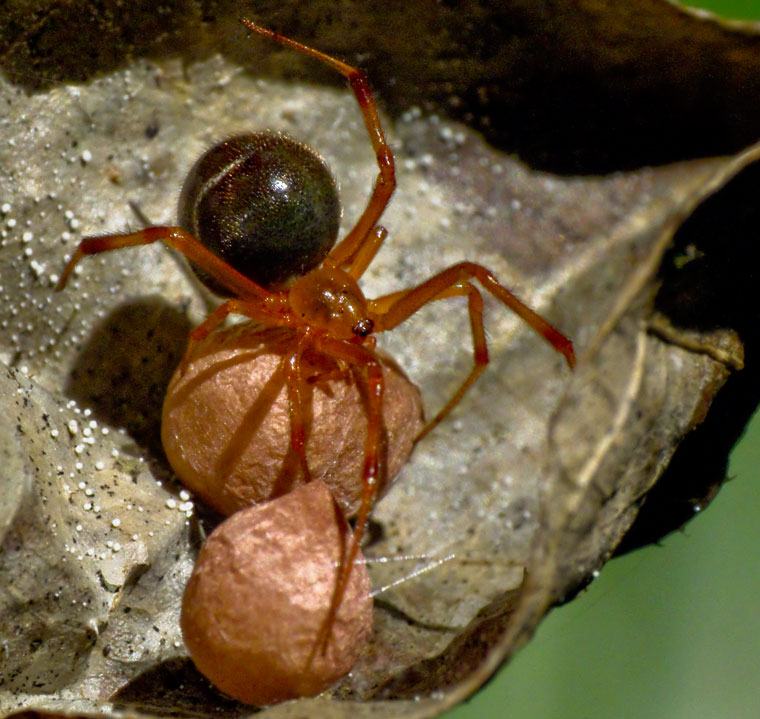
[124,368]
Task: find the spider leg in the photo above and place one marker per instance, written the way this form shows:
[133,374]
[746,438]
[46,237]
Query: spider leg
[246,308]
[185,243]
[361,357]
[480,346]
[393,309]
[338,374]
[252,310]
[479,349]
[363,257]
[386,179]
[298,392]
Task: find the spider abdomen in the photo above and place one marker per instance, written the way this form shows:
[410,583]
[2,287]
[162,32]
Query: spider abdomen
[265,204]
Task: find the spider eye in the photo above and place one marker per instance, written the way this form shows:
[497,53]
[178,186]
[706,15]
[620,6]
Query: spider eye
[363,327]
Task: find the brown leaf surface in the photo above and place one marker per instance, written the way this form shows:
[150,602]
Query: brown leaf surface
[525,136]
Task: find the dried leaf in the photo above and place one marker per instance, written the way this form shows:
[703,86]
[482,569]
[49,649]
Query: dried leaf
[509,506]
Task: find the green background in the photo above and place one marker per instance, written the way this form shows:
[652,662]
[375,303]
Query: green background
[667,631]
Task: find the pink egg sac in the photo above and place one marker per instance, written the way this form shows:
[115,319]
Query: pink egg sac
[257,604]
[226,421]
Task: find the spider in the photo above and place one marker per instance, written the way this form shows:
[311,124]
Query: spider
[274,256]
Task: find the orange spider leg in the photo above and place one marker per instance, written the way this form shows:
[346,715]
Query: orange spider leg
[297,397]
[392,314]
[366,253]
[358,356]
[236,307]
[393,309]
[479,344]
[386,179]
[333,375]
[180,240]
[380,305]
[229,307]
